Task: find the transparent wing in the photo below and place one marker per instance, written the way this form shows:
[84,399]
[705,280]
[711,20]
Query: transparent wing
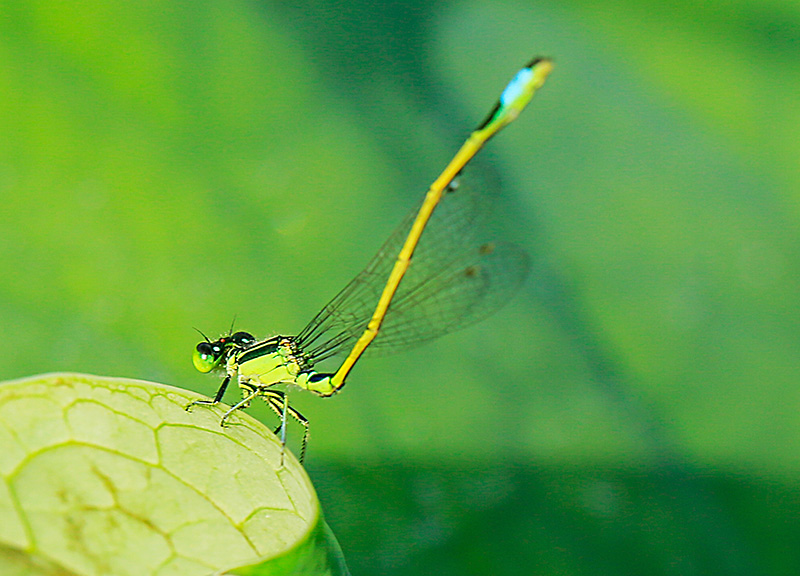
[455,279]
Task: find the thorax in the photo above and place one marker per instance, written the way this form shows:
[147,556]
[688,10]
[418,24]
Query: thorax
[267,362]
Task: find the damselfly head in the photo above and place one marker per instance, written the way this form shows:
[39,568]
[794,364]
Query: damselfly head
[209,355]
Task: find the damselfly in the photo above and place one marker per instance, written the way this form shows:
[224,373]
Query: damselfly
[432,276]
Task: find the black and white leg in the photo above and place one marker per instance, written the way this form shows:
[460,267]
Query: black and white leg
[243,403]
[279,402]
[217,398]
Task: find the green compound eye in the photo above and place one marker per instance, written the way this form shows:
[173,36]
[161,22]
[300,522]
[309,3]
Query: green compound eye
[206,357]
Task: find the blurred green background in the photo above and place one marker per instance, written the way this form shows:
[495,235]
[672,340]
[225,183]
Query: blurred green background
[635,410]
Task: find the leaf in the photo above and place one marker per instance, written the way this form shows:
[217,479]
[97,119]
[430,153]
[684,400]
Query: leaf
[106,476]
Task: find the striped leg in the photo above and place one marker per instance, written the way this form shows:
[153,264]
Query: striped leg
[279,402]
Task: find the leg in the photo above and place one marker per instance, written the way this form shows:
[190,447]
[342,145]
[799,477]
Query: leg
[243,403]
[217,397]
[304,422]
[279,402]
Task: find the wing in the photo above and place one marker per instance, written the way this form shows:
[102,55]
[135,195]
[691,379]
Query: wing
[455,279]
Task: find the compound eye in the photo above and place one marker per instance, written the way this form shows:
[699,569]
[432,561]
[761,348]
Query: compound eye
[206,357]
[206,348]
[242,338]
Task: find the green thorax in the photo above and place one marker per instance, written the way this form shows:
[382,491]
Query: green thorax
[271,361]
[277,360]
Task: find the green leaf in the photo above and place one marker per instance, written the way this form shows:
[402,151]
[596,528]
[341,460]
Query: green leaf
[111,476]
